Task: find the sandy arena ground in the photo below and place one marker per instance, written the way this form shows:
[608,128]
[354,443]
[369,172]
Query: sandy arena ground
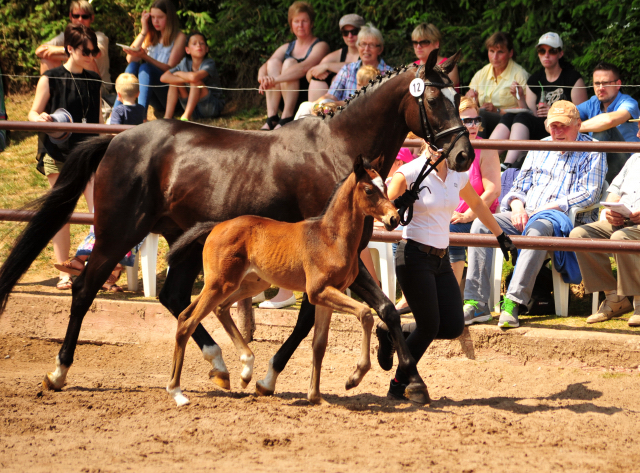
[494,413]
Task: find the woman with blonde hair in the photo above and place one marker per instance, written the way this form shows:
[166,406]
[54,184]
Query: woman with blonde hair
[484,177]
[425,38]
[159,47]
[284,73]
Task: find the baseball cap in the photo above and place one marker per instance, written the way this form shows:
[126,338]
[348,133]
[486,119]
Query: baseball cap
[551,39]
[405,155]
[351,19]
[563,112]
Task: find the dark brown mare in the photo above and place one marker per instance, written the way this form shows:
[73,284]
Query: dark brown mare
[168,176]
[318,256]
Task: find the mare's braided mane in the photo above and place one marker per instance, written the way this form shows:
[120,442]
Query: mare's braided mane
[380,78]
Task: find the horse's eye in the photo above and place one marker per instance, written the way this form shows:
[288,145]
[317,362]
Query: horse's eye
[368,190]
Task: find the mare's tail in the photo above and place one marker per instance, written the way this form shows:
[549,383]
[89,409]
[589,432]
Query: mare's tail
[54,210]
[179,247]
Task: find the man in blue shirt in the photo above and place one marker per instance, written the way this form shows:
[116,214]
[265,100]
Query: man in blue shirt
[548,181]
[606,115]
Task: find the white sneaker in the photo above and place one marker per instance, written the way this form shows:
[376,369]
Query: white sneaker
[278,305]
[254,300]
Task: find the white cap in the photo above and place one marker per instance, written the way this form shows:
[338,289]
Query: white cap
[551,39]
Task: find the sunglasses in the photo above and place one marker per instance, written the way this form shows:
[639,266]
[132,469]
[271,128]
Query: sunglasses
[90,52]
[469,122]
[353,32]
[551,51]
[597,85]
[84,16]
[423,43]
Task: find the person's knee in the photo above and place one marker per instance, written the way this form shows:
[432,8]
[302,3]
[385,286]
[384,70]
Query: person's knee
[619,235]
[478,227]
[540,228]
[579,232]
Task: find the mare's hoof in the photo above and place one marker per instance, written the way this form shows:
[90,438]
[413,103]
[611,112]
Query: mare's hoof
[261,390]
[47,385]
[220,378]
[417,393]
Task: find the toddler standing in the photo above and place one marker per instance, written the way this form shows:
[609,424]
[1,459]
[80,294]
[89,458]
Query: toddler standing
[129,112]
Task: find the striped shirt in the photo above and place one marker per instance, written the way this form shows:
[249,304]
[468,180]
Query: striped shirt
[569,179]
[346,81]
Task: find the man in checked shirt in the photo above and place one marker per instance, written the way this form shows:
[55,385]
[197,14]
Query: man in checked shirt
[550,181]
[596,267]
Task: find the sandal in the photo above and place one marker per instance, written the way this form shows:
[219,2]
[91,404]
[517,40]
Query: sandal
[283,122]
[110,284]
[271,122]
[64,283]
[67,266]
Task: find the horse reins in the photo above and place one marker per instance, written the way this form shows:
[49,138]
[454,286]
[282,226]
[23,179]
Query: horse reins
[405,202]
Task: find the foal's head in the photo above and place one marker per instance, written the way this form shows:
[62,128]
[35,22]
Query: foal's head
[370,194]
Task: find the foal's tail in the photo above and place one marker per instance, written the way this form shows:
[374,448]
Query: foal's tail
[179,247]
[54,210]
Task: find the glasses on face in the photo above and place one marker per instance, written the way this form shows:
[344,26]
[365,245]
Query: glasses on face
[551,51]
[353,32]
[471,122]
[84,16]
[368,45]
[423,44]
[90,52]
[597,85]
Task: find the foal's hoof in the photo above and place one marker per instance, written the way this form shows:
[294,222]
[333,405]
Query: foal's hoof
[262,390]
[244,383]
[220,378]
[48,385]
[351,383]
[417,393]
[317,401]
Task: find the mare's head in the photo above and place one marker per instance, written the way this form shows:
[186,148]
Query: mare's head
[370,194]
[440,104]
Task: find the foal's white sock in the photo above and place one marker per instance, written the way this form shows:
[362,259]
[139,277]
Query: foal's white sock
[613,296]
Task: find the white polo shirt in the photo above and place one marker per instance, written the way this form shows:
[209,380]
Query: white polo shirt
[435,205]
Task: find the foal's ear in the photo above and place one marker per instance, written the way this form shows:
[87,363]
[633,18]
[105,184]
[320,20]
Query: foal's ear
[377,163]
[360,166]
[450,63]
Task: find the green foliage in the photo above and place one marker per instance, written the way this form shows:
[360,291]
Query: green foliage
[244,33]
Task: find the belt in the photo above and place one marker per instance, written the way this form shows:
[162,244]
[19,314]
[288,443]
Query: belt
[428,249]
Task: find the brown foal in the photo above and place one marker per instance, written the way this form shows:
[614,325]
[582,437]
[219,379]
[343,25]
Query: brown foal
[319,256]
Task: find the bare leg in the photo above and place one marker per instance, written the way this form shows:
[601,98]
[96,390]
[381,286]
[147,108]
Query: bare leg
[500,132]
[317,88]
[458,269]
[172,101]
[195,95]
[365,256]
[62,240]
[273,95]
[320,337]
[518,132]
[289,91]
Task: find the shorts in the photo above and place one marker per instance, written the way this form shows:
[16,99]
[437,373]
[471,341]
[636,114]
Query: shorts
[534,124]
[51,166]
[209,107]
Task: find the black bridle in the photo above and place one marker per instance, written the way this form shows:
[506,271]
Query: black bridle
[405,202]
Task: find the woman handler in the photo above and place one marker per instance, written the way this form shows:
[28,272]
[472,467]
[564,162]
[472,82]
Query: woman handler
[422,260]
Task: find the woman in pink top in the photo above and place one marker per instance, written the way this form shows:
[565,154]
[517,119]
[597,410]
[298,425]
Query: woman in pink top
[484,176]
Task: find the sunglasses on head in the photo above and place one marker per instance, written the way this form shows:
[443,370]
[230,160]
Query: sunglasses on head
[469,122]
[551,51]
[423,43]
[84,16]
[353,32]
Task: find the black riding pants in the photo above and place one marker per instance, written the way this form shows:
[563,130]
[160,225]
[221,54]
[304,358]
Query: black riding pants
[432,292]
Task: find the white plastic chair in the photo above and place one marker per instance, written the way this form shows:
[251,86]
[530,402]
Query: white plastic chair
[385,267]
[560,288]
[148,257]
